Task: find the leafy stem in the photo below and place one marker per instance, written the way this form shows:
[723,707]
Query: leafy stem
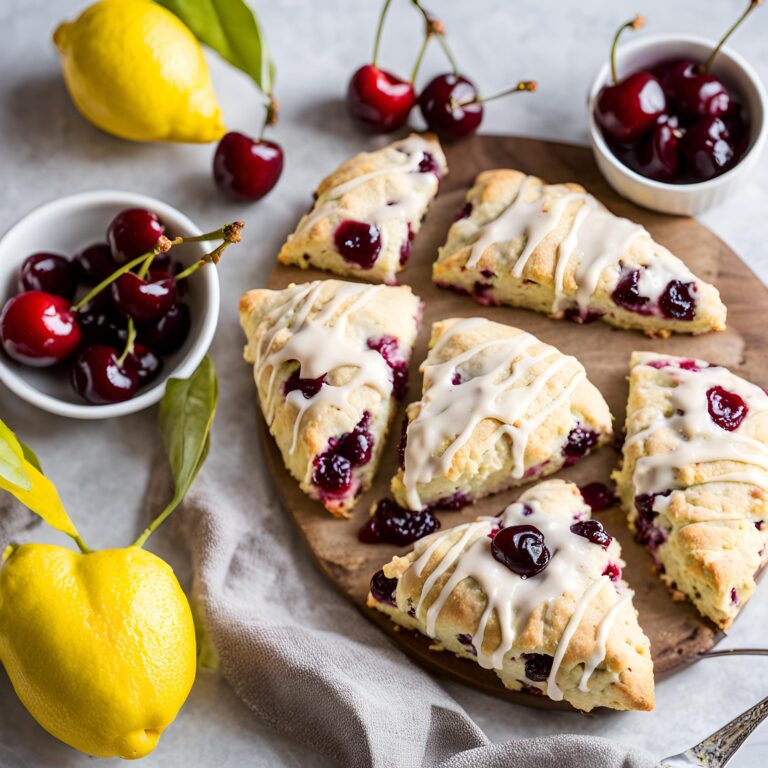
[129,342]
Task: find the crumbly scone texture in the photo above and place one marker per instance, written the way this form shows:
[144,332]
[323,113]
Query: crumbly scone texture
[312,243]
[491,279]
[483,465]
[392,310]
[623,680]
[709,538]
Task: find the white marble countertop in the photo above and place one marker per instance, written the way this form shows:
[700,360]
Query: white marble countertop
[47,150]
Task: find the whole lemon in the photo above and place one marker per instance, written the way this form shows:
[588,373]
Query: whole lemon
[100,647]
[134,70]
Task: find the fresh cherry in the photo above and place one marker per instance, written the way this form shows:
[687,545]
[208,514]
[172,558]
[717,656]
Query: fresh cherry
[39,329]
[707,148]
[693,91]
[626,110]
[522,549]
[144,299]
[96,263]
[392,524]
[100,323]
[449,103]
[378,101]
[246,169]
[99,378]
[358,242]
[726,409]
[144,363]
[48,272]
[168,334]
[132,233]
[593,531]
[657,156]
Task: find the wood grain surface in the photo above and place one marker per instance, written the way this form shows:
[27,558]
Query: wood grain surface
[677,632]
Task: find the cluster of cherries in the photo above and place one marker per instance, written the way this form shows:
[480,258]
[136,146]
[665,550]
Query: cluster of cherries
[675,122]
[380,102]
[128,318]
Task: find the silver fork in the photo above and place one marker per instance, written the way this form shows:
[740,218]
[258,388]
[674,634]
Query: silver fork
[717,750]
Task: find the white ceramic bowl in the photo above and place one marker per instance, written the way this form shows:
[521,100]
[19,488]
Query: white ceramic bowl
[681,198]
[66,226]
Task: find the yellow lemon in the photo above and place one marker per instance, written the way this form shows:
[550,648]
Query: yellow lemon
[134,70]
[99,647]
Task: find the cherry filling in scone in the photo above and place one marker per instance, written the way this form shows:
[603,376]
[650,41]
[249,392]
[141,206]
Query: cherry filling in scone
[677,300]
[464,212]
[598,496]
[405,248]
[686,364]
[580,441]
[383,589]
[648,533]
[726,409]
[332,469]
[593,531]
[537,666]
[391,524]
[389,349]
[308,387]
[428,164]
[358,242]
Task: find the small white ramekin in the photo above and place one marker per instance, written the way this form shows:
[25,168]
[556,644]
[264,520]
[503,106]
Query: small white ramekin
[66,226]
[685,199]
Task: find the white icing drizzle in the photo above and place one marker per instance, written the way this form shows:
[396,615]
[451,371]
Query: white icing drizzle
[597,238]
[320,346]
[575,568]
[699,440]
[449,413]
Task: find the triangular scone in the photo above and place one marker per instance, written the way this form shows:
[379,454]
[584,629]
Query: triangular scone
[499,408]
[367,211]
[329,358]
[569,630]
[554,248]
[694,478]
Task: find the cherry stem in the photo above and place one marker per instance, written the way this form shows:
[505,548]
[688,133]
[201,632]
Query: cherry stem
[420,57]
[448,55]
[636,23]
[436,27]
[736,24]
[523,85]
[129,342]
[271,112]
[379,29]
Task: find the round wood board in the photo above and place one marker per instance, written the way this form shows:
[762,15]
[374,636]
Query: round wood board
[677,633]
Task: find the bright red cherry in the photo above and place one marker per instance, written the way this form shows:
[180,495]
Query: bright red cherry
[144,363]
[692,91]
[100,378]
[132,233]
[626,110]
[707,148]
[378,101]
[144,299]
[449,103]
[49,272]
[246,169]
[657,156]
[168,334]
[39,329]
[95,263]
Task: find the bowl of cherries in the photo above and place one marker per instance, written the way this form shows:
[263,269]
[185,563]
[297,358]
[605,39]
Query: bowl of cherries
[677,122]
[105,295]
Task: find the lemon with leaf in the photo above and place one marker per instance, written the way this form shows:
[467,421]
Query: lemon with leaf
[100,645]
[135,70]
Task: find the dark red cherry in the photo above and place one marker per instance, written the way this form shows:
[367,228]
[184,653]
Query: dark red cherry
[168,334]
[627,110]
[246,169]
[678,301]
[100,323]
[627,295]
[580,441]
[612,571]
[464,212]
[522,549]
[383,589]
[308,387]
[726,409]
[537,666]
[593,531]
[357,445]
[132,233]
[358,242]
[39,329]
[693,92]
[391,524]
[389,349]
[378,101]
[657,156]
[48,272]
[144,363]
[598,496]
[332,473]
[450,107]
[144,299]
[707,148]
[98,377]
[95,263]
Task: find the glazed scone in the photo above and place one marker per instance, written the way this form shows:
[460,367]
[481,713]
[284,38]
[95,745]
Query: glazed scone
[329,360]
[694,478]
[554,248]
[367,211]
[499,408]
[559,622]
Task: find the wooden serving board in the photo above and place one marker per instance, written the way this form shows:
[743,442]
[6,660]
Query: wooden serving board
[677,632]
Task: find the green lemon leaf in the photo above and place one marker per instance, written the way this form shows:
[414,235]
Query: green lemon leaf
[12,459]
[30,456]
[186,415]
[231,29]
